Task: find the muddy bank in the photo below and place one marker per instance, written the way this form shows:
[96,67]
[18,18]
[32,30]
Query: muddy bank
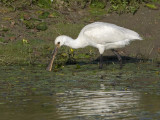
[146,22]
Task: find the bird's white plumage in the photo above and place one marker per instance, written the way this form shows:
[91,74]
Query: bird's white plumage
[103,33]
[102,36]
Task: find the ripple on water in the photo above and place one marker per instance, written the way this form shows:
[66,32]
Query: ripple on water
[112,104]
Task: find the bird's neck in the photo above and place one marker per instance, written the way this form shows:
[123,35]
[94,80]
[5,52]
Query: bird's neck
[73,43]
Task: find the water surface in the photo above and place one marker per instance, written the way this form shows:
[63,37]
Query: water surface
[84,93]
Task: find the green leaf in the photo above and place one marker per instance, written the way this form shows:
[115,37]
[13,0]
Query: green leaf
[151,6]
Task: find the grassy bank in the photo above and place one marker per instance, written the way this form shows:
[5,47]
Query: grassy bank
[38,51]
[28,30]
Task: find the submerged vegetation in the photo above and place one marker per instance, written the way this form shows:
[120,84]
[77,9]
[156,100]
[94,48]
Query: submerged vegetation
[22,80]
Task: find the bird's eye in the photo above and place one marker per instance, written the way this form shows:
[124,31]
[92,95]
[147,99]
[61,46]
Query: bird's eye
[58,42]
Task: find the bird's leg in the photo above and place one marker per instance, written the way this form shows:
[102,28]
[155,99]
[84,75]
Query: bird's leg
[101,62]
[118,56]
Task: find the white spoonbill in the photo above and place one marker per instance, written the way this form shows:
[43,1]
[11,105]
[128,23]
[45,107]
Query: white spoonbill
[100,35]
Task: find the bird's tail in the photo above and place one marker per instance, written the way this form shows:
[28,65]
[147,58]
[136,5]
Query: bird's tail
[134,36]
[139,37]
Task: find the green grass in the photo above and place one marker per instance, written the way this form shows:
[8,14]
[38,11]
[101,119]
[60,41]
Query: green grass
[23,53]
[38,51]
[151,6]
[118,6]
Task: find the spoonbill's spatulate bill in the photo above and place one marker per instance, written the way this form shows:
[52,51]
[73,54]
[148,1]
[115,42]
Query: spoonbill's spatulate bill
[100,35]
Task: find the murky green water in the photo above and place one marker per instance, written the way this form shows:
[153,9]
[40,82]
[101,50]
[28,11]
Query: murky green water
[80,93]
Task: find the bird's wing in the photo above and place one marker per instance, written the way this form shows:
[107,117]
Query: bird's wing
[103,34]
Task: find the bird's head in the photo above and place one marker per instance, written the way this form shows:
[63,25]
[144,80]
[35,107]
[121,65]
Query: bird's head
[59,41]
